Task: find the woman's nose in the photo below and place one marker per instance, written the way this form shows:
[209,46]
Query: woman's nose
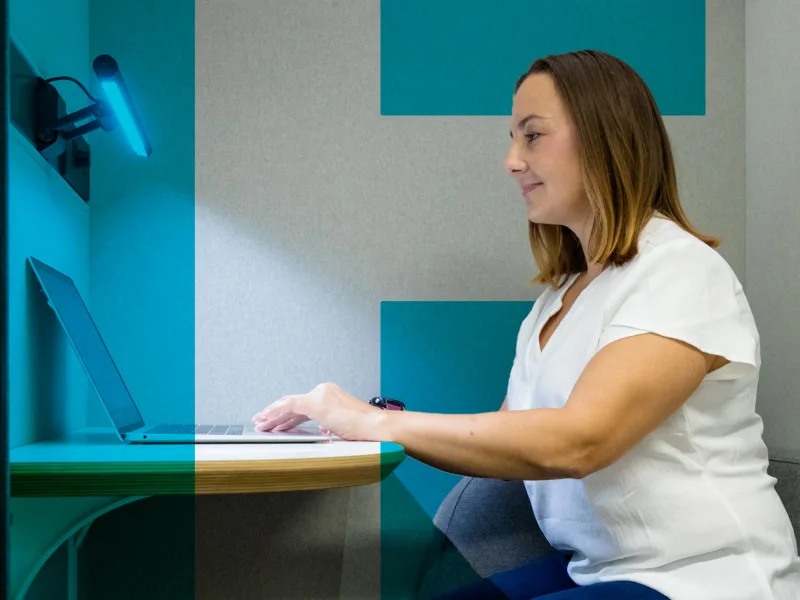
[514,164]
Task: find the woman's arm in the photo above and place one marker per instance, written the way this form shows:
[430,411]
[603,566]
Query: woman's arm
[627,389]
[520,444]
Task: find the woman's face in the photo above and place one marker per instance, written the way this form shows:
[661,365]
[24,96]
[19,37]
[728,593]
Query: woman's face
[544,156]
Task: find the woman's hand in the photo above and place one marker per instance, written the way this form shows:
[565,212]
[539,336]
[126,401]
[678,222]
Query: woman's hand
[335,410]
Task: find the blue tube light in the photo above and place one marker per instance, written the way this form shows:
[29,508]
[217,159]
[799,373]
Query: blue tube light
[119,99]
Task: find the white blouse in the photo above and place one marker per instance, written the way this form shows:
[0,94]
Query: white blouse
[690,511]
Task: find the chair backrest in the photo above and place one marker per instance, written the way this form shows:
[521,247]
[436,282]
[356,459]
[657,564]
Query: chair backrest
[787,472]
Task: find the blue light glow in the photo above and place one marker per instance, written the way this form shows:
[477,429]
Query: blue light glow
[124,117]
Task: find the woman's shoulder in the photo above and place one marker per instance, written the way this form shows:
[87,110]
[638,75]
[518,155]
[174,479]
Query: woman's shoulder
[666,248]
[680,287]
[675,273]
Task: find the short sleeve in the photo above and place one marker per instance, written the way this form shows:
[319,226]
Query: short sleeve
[685,291]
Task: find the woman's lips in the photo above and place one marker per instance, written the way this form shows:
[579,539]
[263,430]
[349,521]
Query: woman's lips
[526,189]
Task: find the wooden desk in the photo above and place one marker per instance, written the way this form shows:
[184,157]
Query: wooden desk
[93,462]
[59,487]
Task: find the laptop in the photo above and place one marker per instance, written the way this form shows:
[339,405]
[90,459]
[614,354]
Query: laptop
[65,300]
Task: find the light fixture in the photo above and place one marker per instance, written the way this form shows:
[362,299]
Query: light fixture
[53,131]
[110,78]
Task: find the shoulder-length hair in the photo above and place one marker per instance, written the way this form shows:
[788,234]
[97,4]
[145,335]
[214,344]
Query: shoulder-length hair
[627,163]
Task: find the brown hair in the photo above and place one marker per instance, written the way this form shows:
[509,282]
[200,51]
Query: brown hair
[628,169]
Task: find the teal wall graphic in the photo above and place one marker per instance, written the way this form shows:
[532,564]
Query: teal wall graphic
[463,57]
[142,234]
[142,268]
[446,357]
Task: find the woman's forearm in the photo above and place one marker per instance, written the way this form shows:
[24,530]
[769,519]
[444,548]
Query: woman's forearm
[530,444]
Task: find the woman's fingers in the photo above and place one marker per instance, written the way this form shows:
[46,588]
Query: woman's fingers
[281,405]
[274,411]
[271,422]
[285,413]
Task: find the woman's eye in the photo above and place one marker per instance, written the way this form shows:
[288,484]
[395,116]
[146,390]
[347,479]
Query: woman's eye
[532,136]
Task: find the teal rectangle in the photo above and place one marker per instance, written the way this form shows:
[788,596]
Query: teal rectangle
[446,357]
[143,219]
[463,57]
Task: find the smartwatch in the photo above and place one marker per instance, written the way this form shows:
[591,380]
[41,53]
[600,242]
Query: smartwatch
[387,403]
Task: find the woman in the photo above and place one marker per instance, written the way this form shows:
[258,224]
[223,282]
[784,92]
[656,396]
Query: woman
[630,412]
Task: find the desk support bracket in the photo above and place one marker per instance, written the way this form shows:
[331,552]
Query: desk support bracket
[42,525]
[73,546]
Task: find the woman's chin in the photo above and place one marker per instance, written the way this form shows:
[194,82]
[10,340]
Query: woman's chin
[540,214]
[537,216]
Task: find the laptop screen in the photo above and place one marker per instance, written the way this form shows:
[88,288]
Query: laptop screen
[89,346]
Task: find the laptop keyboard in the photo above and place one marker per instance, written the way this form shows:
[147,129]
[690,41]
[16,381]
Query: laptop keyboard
[195,429]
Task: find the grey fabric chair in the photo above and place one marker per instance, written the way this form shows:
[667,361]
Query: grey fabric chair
[487,526]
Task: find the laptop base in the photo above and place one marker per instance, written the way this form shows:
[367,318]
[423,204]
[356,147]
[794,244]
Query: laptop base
[219,434]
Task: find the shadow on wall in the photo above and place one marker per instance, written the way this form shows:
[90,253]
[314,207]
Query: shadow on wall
[241,546]
[142,550]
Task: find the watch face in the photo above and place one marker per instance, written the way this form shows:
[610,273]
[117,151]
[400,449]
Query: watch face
[387,403]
